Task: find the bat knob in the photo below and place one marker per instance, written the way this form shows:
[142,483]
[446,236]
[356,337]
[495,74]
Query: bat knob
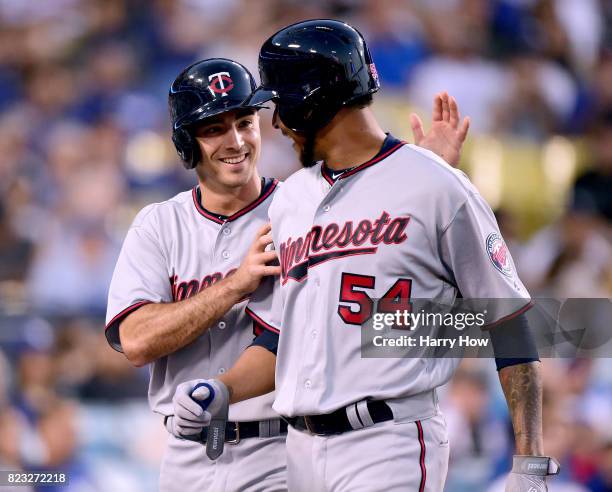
[211,395]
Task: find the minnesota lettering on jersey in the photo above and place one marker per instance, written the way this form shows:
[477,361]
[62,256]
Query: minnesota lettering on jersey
[183,290]
[297,256]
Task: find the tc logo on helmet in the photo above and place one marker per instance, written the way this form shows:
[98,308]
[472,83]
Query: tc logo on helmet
[221,84]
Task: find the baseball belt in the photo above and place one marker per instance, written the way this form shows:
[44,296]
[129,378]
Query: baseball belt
[354,416]
[237,431]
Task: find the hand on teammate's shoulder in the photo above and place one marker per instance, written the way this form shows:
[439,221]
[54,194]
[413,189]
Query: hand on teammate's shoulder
[260,261]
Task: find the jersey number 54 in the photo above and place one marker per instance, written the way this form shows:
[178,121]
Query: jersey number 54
[356,306]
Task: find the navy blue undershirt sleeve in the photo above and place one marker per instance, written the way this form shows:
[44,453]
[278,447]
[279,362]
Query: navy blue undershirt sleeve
[513,338]
[267,340]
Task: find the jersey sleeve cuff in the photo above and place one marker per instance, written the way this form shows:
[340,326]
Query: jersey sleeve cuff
[112,327]
[510,316]
[262,323]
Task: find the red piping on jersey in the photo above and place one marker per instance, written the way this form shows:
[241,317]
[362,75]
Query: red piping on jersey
[261,321]
[125,312]
[240,212]
[366,164]
[422,456]
[510,316]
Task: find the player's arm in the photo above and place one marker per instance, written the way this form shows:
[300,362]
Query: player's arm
[196,402]
[518,366]
[252,375]
[159,329]
[522,385]
[447,134]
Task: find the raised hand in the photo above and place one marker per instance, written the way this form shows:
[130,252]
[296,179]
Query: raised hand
[446,135]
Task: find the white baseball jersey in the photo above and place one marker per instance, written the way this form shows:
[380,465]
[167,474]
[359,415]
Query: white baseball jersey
[403,225]
[172,251]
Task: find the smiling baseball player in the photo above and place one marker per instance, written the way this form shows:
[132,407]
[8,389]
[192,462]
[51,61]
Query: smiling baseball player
[179,288]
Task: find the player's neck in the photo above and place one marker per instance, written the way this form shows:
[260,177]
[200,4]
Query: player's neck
[353,137]
[225,200]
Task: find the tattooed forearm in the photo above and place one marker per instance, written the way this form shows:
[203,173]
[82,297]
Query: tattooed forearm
[522,385]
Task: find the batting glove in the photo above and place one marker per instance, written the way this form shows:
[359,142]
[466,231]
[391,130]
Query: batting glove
[194,406]
[529,473]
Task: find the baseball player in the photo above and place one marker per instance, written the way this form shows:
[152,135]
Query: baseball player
[178,293]
[179,288]
[372,218]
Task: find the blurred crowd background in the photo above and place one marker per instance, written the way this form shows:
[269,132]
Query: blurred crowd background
[85,143]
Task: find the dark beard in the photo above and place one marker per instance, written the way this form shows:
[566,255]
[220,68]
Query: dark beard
[307,153]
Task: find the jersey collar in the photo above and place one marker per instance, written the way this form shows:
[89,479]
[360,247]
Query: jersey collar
[390,145]
[266,190]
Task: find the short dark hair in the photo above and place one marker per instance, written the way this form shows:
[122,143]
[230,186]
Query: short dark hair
[361,102]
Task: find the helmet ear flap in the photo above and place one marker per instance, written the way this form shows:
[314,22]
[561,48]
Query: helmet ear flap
[314,112]
[187,147]
[323,104]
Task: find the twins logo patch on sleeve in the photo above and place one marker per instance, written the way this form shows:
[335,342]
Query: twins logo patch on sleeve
[498,254]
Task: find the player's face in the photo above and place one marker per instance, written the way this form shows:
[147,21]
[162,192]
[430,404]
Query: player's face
[230,145]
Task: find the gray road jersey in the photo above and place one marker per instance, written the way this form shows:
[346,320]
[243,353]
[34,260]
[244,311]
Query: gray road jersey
[404,222]
[174,250]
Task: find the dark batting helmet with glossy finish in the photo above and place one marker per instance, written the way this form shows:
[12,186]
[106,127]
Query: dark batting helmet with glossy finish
[204,89]
[312,69]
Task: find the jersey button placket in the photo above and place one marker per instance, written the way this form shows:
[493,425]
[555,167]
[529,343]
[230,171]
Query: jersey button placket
[311,342]
[225,254]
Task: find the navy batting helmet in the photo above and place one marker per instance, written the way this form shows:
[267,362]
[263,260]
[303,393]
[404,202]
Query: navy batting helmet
[204,89]
[313,68]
